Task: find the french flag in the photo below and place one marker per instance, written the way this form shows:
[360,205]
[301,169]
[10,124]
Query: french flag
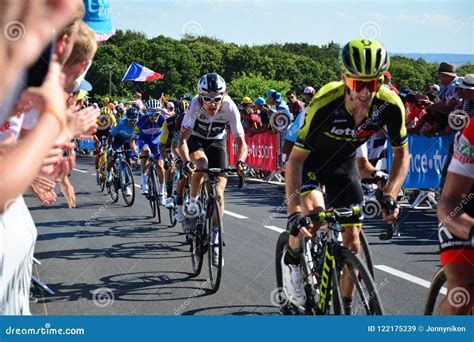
[139,73]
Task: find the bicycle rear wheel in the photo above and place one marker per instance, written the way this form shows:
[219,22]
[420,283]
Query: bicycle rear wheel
[278,296]
[153,195]
[197,247]
[215,246]
[434,294]
[366,300]
[126,179]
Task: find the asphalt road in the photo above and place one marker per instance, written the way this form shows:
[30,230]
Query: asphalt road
[123,263]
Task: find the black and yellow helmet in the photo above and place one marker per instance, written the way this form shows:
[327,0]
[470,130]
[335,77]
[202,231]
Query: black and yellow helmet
[105,111]
[364,58]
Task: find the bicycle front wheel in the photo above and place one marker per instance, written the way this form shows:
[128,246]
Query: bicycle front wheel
[365,297]
[114,186]
[434,294]
[172,214]
[365,254]
[126,180]
[102,173]
[214,225]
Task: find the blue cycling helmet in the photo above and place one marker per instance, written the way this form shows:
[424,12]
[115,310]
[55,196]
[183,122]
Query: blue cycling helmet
[260,101]
[132,113]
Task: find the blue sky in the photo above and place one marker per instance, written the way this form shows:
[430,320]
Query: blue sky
[433,26]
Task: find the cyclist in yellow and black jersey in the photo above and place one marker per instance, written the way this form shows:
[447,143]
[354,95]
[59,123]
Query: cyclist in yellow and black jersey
[105,122]
[340,118]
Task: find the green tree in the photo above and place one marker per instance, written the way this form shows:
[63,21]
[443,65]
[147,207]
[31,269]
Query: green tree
[255,86]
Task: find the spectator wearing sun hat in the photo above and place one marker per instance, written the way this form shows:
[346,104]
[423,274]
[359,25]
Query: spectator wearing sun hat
[274,99]
[466,83]
[97,17]
[439,111]
[264,111]
[447,77]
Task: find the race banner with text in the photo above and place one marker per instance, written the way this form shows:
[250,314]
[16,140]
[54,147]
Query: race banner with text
[428,157]
[262,151]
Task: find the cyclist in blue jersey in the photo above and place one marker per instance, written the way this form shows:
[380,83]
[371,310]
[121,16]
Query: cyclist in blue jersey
[148,129]
[122,135]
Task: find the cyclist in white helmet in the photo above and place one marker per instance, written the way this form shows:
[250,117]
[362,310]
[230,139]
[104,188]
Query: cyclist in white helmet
[202,141]
[308,93]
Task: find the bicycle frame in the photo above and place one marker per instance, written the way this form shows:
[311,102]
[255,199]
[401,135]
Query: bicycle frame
[330,241]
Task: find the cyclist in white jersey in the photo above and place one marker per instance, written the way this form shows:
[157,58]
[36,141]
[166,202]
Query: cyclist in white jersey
[202,142]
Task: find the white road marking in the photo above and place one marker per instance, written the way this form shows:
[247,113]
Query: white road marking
[276,229]
[83,171]
[230,213]
[408,277]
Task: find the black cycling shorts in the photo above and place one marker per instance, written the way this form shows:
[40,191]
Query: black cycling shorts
[341,181]
[215,150]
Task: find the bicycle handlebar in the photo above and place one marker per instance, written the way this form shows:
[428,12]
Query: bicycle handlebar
[215,171]
[334,214]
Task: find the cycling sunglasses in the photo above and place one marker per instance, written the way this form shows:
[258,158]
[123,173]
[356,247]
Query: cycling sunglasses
[209,99]
[357,85]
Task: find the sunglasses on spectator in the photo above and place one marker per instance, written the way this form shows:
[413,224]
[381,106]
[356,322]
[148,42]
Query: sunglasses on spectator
[357,85]
[209,99]
[290,97]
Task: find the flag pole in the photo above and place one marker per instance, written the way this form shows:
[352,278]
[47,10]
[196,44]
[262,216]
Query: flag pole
[127,72]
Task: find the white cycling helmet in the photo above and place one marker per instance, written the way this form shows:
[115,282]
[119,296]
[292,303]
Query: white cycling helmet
[211,83]
[152,105]
[309,90]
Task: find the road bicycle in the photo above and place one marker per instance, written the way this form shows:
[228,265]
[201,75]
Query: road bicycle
[206,235]
[122,177]
[325,262]
[153,196]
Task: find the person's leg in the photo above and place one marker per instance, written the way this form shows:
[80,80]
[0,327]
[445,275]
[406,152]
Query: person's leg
[68,191]
[460,298]
[345,191]
[220,187]
[200,159]
[143,155]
